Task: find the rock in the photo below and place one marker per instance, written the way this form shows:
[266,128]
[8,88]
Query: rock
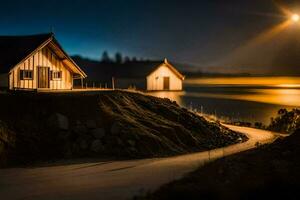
[67,150]
[78,122]
[6,135]
[286,153]
[75,148]
[115,128]
[91,124]
[99,122]
[131,142]
[3,132]
[96,146]
[1,148]
[83,144]
[220,171]
[58,121]
[98,133]
[80,129]
[64,134]
[120,142]
[132,149]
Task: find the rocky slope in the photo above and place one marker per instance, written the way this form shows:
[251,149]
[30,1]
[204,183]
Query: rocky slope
[7,142]
[113,123]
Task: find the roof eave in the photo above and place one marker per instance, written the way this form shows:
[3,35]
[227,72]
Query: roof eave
[32,53]
[51,38]
[173,69]
[69,58]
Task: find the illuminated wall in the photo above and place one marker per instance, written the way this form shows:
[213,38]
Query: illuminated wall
[42,58]
[155,79]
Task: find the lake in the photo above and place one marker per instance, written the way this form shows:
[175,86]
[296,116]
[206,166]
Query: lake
[250,99]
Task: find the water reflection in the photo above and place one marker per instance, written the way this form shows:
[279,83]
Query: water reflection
[285,97]
[260,81]
[239,98]
[174,96]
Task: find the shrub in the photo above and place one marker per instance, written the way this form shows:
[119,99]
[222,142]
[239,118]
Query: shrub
[286,121]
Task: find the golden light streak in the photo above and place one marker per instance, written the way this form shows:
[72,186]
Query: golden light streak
[269,34]
[295,17]
[258,40]
[284,82]
[284,10]
[288,13]
[287,97]
[249,47]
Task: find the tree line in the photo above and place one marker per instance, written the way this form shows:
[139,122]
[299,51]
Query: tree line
[118,58]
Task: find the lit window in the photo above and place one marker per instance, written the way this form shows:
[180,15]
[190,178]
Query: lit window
[26,74]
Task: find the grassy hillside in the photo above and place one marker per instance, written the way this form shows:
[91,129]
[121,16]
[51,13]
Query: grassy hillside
[270,172]
[112,123]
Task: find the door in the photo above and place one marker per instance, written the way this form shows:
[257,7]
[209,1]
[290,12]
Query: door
[166,83]
[43,77]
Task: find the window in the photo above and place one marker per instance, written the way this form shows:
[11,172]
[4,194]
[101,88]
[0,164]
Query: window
[56,75]
[26,74]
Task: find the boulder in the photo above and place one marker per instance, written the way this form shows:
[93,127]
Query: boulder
[91,124]
[58,121]
[80,129]
[98,133]
[75,148]
[83,144]
[64,134]
[67,150]
[78,122]
[1,148]
[131,142]
[119,142]
[6,135]
[97,146]
[115,128]
[132,149]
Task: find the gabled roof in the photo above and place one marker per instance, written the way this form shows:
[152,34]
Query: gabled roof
[171,67]
[16,49]
[127,70]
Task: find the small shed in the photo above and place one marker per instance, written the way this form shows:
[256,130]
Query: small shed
[36,62]
[165,77]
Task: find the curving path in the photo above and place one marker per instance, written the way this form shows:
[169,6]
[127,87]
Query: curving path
[114,179]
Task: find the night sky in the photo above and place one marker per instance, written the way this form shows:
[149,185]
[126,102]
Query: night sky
[203,33]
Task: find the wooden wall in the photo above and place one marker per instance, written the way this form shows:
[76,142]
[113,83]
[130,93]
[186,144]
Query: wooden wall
[43,58]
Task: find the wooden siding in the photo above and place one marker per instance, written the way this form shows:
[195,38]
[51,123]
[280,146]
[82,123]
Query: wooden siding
[155,81]
[42,58]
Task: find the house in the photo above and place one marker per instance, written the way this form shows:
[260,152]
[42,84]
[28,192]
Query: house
[142,74]
[164,77]
[36,62]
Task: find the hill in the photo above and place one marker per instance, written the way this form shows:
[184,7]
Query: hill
[270,172]
[118,124]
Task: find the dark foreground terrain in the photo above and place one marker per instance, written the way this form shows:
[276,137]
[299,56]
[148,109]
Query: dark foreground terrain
[269,172]
[45,127]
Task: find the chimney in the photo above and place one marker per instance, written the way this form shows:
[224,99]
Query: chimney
[166,61]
